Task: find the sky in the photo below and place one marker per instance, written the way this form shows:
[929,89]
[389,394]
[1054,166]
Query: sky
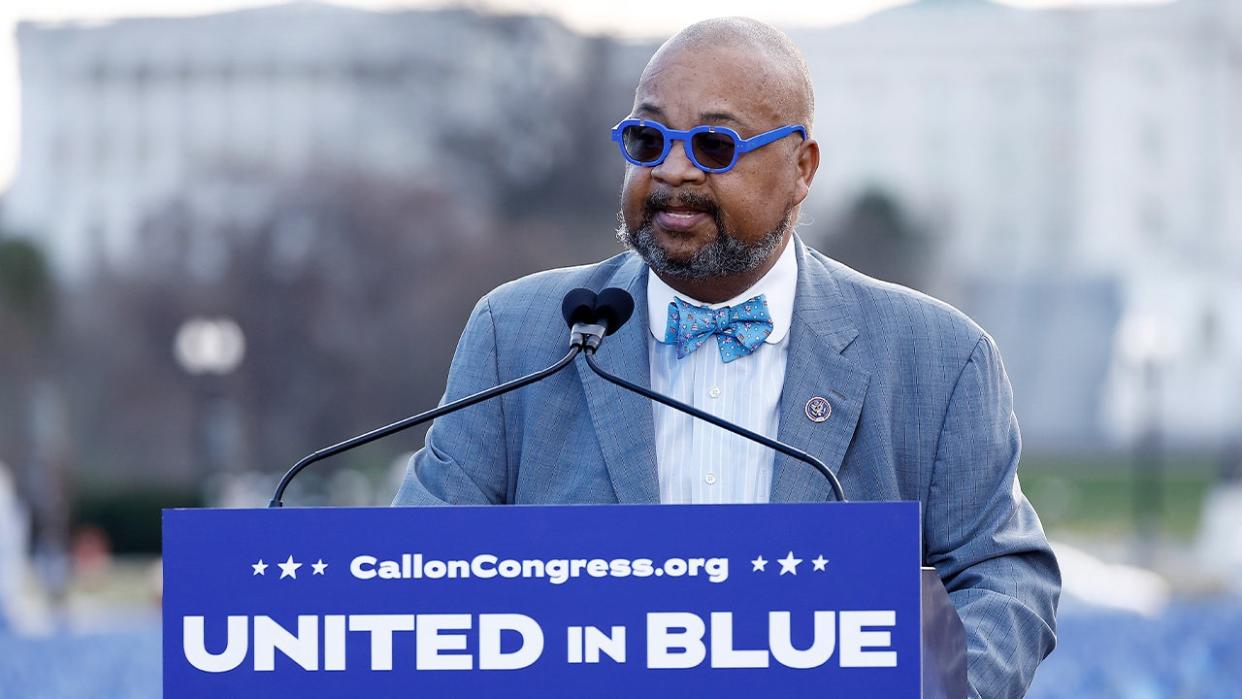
[585,15]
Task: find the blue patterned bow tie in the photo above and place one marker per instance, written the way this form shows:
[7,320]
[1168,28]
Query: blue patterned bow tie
[739,329]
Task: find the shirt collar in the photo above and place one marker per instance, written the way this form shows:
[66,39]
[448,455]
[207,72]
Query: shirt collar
[778,285]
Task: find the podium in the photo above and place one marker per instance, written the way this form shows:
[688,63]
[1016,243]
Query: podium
[785,600]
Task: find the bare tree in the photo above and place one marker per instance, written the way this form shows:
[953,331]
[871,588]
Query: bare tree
[876,237]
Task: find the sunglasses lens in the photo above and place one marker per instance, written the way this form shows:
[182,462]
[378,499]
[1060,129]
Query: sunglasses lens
[643,143]
[714,150]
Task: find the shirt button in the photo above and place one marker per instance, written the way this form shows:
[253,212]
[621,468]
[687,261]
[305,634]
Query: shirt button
[714,393]
[710,479]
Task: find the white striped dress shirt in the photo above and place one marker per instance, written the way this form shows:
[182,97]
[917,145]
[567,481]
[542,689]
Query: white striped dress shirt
[699,462]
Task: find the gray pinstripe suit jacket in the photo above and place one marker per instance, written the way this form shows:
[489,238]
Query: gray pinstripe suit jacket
[921,410]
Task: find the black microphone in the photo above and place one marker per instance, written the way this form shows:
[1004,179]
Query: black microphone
[613,308]
[578,306]
[578,309]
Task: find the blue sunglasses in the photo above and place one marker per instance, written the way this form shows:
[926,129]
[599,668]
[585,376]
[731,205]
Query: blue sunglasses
[711,148]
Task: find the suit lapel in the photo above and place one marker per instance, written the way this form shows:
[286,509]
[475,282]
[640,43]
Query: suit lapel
[820,331]
[624,422]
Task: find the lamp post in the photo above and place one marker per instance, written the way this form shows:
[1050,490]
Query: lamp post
[209,349]
[1148,343]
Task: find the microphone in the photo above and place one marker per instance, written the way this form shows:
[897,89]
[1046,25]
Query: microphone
[578,306]
[613,308]
[578,309]
[608,312]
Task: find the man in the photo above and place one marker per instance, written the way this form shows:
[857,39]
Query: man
[904,397]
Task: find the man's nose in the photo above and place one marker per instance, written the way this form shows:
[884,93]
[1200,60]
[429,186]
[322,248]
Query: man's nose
[677,168]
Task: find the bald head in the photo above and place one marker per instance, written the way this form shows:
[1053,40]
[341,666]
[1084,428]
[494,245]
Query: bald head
[712,232]
[776,61]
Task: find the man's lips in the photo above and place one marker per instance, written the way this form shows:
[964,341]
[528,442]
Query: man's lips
[679,219]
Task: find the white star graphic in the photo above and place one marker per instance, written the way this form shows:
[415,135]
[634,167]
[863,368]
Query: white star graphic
[319,567]
[289,569]
[820,562]
[759,564]
[789,564]
[260,568]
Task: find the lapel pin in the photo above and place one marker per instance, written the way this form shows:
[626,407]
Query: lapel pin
[818,409]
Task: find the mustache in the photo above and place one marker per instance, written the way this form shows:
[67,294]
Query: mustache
[662,200]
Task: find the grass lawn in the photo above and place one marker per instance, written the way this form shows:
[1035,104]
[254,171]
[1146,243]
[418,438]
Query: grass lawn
[1099,496]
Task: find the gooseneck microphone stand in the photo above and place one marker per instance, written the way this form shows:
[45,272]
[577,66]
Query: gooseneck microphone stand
[589,320]
[616,316]
[578,308]
[418,419]
[735,429]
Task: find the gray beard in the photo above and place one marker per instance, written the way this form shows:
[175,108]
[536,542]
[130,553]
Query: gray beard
[725,256]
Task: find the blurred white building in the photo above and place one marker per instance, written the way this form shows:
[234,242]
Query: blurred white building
[1083,168]
[115,118]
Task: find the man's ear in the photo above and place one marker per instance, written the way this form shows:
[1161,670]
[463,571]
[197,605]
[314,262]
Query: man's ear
[807,163]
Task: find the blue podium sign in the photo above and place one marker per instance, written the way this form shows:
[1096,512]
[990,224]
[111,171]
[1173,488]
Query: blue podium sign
[783,600]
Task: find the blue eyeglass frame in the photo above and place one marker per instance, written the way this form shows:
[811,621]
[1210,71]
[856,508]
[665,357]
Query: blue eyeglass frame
[740,145]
